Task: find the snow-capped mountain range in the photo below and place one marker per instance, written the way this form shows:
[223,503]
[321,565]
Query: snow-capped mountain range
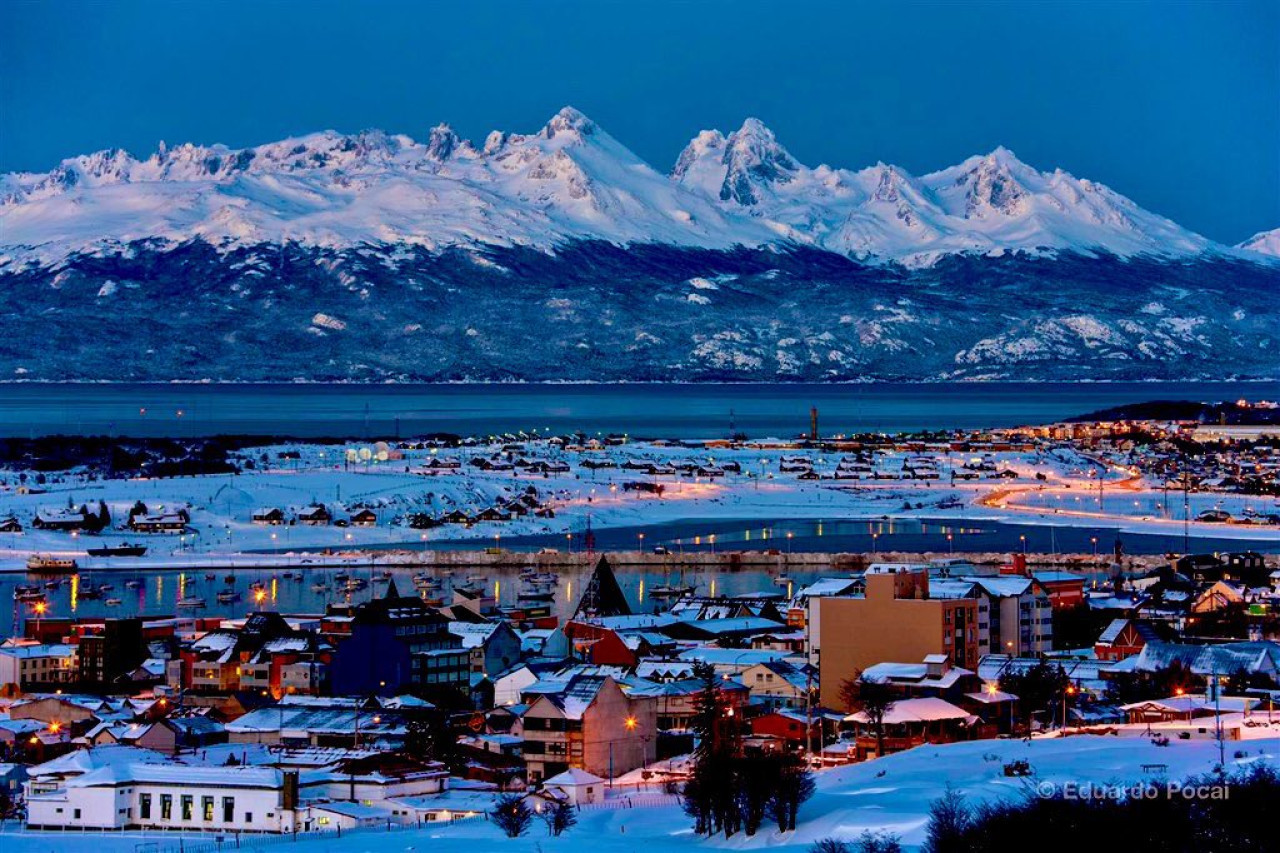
[570,181]
[560,255]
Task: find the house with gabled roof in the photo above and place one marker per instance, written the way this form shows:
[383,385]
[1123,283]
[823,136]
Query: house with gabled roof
[588,723]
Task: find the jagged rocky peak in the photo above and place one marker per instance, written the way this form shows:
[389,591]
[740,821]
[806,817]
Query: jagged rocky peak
[993,184]
[569,121]
[111,165]
[753,156]
[889,183]
[708,143]
[442,142]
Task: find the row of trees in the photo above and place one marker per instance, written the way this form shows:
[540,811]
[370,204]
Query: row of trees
[729,791]
[1239,818]
[513,816]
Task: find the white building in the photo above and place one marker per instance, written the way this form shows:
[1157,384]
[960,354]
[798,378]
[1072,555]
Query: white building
[33,664]
[165,796]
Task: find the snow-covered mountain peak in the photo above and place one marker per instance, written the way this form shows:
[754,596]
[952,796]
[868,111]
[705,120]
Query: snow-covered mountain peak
[1264,242]
[753,156]
[569,121]
[441,143]
[707,146]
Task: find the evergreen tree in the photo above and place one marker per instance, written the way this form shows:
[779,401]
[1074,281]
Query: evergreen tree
[104,516]
[794,787]
[1038,688]
[559,817]
[511,815]
[949,822]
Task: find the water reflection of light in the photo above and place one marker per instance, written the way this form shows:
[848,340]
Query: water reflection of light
[641,594]
[182,584]
[274,590]
[159,589]
[497,588]
[568,591]
[75,592]
[713,587]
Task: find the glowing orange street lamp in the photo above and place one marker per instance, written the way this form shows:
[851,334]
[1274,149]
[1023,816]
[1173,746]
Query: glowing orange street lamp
[260,596]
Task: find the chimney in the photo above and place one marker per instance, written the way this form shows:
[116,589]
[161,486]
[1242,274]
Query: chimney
[289,791]
[1018,567]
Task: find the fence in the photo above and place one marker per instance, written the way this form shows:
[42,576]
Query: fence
[635,801]
[231,842]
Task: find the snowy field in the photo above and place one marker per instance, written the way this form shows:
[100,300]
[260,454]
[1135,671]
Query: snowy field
[1056,487]
[890,794]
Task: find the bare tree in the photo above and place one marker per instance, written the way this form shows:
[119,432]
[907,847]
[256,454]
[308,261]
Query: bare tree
[873,699]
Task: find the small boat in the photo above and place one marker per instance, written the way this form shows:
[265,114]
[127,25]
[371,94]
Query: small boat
[287,575]
[229,579]
[134,583]
[477,578]
[355,584]
[89,593]
[28,592]
[105,587]
[782,580]
[53,584]
[210,576]
[47,563]
[257,586]
[124,549]
[670,591]
[228,596]
[341,577]
[113,602]
[319,586]
[535,595]
[192,602]
[379,579]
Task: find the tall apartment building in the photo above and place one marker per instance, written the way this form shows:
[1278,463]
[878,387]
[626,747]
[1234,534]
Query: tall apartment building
[895,619]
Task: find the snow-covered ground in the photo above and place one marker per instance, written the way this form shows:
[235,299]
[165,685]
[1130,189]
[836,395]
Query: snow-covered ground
[891,794]
[221,506]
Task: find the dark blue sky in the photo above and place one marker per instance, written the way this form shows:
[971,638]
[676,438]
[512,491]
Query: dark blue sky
[1174,104]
